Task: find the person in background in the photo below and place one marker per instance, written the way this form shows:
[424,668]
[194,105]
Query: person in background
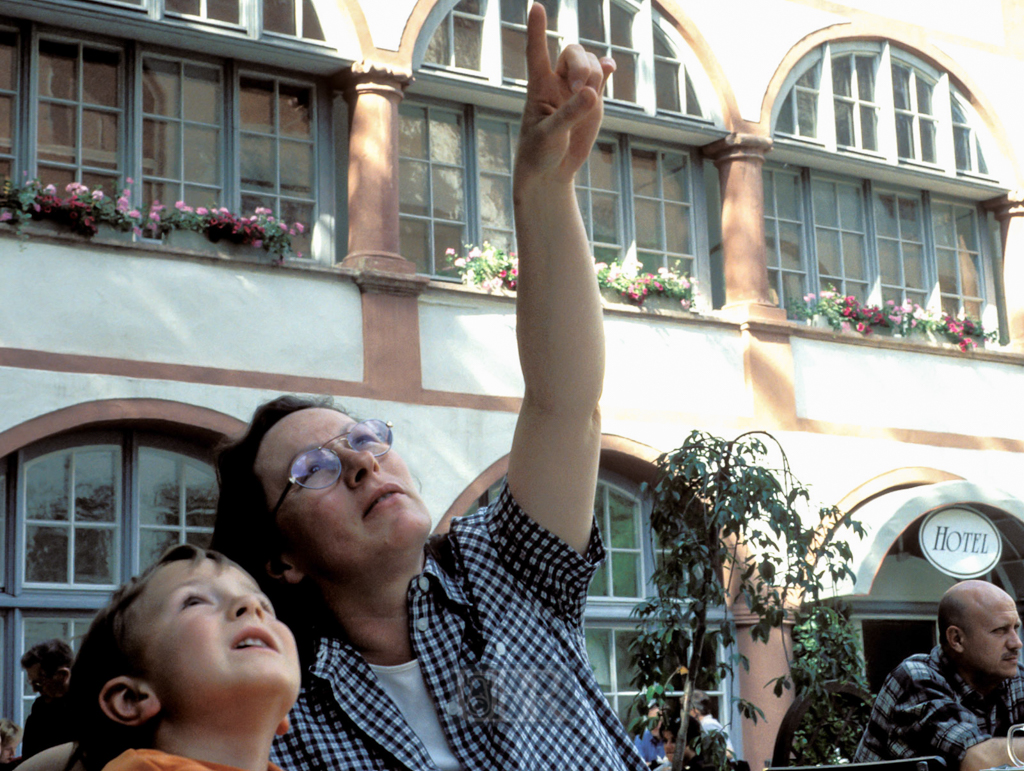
[701,711]
[48,669]
[959,700]
[649,743]
[10,738]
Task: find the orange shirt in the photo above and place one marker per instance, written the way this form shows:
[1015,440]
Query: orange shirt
[156,760]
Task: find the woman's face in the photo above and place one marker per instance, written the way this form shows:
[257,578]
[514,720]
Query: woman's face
[372,519]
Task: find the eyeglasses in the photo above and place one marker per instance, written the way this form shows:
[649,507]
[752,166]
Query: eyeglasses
[321,467]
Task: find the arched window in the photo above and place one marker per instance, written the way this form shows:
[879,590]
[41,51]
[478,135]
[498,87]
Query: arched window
[87,511]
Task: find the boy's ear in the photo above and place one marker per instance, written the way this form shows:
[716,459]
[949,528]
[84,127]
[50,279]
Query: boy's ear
[284,726]
[128,701]
[282,569]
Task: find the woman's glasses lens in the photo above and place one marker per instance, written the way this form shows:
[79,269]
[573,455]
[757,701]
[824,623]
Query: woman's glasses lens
[319,468]
[372,436]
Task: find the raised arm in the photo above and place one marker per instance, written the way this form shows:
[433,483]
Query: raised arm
[553,464]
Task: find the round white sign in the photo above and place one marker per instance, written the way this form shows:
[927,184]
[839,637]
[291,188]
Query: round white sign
[960,542]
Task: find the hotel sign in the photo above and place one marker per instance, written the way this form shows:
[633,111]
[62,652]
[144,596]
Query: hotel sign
[960,542]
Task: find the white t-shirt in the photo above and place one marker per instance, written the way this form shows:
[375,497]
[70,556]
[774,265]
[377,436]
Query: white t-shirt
[404,684]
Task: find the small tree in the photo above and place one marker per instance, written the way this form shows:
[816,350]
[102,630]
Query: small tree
[724,521]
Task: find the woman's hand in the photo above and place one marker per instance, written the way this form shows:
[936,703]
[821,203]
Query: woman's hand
[563,107]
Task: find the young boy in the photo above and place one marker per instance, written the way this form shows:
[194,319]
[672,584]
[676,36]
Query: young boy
[186,668]
[10,738]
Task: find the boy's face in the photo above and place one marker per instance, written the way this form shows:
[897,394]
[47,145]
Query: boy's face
[209,636]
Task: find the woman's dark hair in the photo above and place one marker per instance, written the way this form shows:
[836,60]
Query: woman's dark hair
[111,649]
[244,530]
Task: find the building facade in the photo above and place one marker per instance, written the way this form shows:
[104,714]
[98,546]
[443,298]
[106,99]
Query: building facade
[767,148]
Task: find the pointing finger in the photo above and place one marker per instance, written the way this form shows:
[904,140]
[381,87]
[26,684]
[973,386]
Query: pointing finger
[538,63]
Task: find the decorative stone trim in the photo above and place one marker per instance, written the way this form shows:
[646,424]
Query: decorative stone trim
[400,284]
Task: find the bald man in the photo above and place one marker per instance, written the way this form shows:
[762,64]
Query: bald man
[959,700]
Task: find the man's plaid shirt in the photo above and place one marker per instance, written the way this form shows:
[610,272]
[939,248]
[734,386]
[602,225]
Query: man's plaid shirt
[498,632]
[926,708]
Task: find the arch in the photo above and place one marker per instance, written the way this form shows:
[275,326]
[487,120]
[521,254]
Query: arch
[872,31]
[672,12]
[420,27]
[203,423]
[350,11]
[890,481]
[888,514]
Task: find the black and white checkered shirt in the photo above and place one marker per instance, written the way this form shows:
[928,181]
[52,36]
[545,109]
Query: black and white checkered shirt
[498,632]
[926,708]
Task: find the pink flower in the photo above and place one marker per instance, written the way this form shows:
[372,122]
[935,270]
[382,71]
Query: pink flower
[302,228]
[135,213]
[5,215]
[180,205]
[97,195]
[130,181]
[257,243]
[122,204]
[50,190]
[685,303]
[460,262]
[202,211]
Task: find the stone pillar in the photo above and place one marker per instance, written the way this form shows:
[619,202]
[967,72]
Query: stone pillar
[739,159]
[1009,212]
[373,92]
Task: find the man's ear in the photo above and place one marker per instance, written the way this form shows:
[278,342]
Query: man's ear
[955,638]
[128,701]
[63,674]
[282,569]
[283,727]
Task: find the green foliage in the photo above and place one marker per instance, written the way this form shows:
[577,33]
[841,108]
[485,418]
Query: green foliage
[826,649]
[725,520]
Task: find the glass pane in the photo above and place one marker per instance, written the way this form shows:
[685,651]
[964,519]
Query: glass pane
[256,105]
[190,7]
[606,218]
[666,84]
[222,10]
[46,487]
[202,155]
[94,556]
[437,48]
[622,513]
[910,226]
[57,133]
[868,128]
[46,554]
[809,79]
[650,261]
[842,76]
[825,207]
[768,179]
[965,228]
[677,229]
[599,583]
[866,78]
[807,113]
[447,237]
[785,122]
[412,134]
[448,197]
[6,125]
[645,173]
[972,309]
[297,163]
[928,141]
[200,495]
[493,146]
[942,222]
[258,163]
[100,77]
[889,262]
[851,208]
[950,305]
[624,80]
[413,192]
[674,172]
[599,651]
[513,53]
[844,123]
[591,21]
[787,196]
[279,16]
[96,495]
[293,103]
[496,202]
[789,243]
[828,252]
[468,41]
[625,574]
[203,94]
[300,211]
[770,245]
[692,103]
[8,60]
[982,165]
[792,288]
[947,271]
[853,256]
[513,11]
[905,136]
[885,215]
[622,26]
[415,243]
[160,143]
[624,660]
[962,148]
[446,137]
[924,96]
[153,543]
[160,87]
[58,70]
[201,540]
[901,87]
[99,139]
[913,266]
[311,28]
[159,485]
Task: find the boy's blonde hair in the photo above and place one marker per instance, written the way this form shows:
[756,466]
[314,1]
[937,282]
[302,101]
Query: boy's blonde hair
[111,649]
[10,733]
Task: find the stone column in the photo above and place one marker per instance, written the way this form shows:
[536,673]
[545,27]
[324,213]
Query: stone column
[373,92]
[739,159]
[1009,212]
